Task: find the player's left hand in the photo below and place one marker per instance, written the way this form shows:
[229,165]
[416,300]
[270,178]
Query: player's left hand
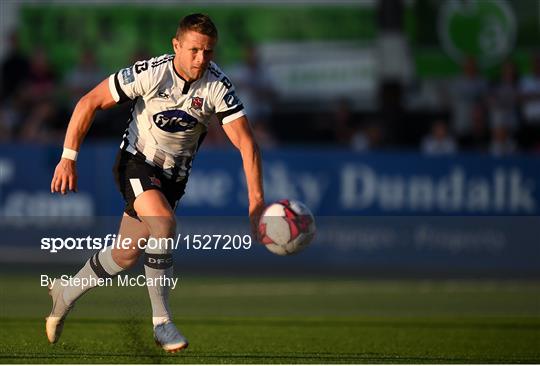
[255,212]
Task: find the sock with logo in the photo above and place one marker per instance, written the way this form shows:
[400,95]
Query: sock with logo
[158,264]
[100,265]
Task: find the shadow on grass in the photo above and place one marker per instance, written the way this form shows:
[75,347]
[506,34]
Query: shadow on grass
[260,358]
[132,325]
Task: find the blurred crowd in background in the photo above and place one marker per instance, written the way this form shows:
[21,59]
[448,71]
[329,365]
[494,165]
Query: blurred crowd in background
[473,112]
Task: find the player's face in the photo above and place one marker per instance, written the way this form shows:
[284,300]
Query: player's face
[193,51]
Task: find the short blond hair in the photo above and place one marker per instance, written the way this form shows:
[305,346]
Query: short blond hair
[200,23]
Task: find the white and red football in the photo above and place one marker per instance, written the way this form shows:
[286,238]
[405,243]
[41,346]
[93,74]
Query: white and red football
[286,227]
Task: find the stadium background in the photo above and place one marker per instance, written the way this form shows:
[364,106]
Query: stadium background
[410,128]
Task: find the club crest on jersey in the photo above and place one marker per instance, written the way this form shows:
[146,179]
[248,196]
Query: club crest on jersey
[174,120]
[197,103]
[155,181]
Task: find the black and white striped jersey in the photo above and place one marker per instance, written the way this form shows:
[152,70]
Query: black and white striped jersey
[170,116]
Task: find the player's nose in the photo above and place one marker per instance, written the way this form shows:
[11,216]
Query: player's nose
[199,59]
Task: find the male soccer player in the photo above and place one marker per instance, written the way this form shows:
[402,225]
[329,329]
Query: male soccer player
[175,97]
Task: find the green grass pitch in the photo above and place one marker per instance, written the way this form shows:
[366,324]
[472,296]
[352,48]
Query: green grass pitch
[299,320]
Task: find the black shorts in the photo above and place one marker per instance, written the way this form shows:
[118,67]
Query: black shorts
[133,175]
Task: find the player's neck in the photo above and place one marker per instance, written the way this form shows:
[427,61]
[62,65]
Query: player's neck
[180,73]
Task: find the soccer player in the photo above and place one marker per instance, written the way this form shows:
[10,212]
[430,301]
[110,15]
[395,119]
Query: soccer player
[175,97]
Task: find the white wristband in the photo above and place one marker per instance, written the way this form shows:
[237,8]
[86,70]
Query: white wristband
[70,154]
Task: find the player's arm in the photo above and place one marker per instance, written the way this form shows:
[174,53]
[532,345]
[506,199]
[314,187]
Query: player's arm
[240,134]
[65,174]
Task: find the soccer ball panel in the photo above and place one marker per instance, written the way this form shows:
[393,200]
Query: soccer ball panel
[286,227]
[277,229]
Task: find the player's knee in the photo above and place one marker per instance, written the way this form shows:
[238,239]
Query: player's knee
[127,258]
[162,227]
[127,262]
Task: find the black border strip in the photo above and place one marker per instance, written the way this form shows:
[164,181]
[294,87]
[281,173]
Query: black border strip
[123,97]
[222,115]
[161,261]
[98,268]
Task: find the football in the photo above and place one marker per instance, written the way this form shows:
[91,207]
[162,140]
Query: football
[286,227]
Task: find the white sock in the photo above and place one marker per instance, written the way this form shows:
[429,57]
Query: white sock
[100,265]
[159,263]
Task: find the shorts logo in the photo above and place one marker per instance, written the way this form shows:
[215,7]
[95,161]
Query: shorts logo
[197,103]
[174,120]
[127,76]
[163,94]
[155,181]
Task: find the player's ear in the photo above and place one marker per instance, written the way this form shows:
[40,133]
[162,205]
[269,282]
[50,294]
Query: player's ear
[176,44]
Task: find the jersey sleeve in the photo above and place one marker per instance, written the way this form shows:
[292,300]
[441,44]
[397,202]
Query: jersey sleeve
[131,82]
[228,106]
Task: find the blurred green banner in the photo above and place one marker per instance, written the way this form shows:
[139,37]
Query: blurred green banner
[118,34]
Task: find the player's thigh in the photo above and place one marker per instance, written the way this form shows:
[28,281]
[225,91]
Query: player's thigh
[155,211]
[152,203]
[133,229]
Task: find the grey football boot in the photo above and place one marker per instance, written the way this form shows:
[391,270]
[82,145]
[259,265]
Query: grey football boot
[54,323]
[169,338]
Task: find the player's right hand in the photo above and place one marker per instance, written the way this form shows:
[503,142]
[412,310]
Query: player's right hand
[65,177]
[255,212]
